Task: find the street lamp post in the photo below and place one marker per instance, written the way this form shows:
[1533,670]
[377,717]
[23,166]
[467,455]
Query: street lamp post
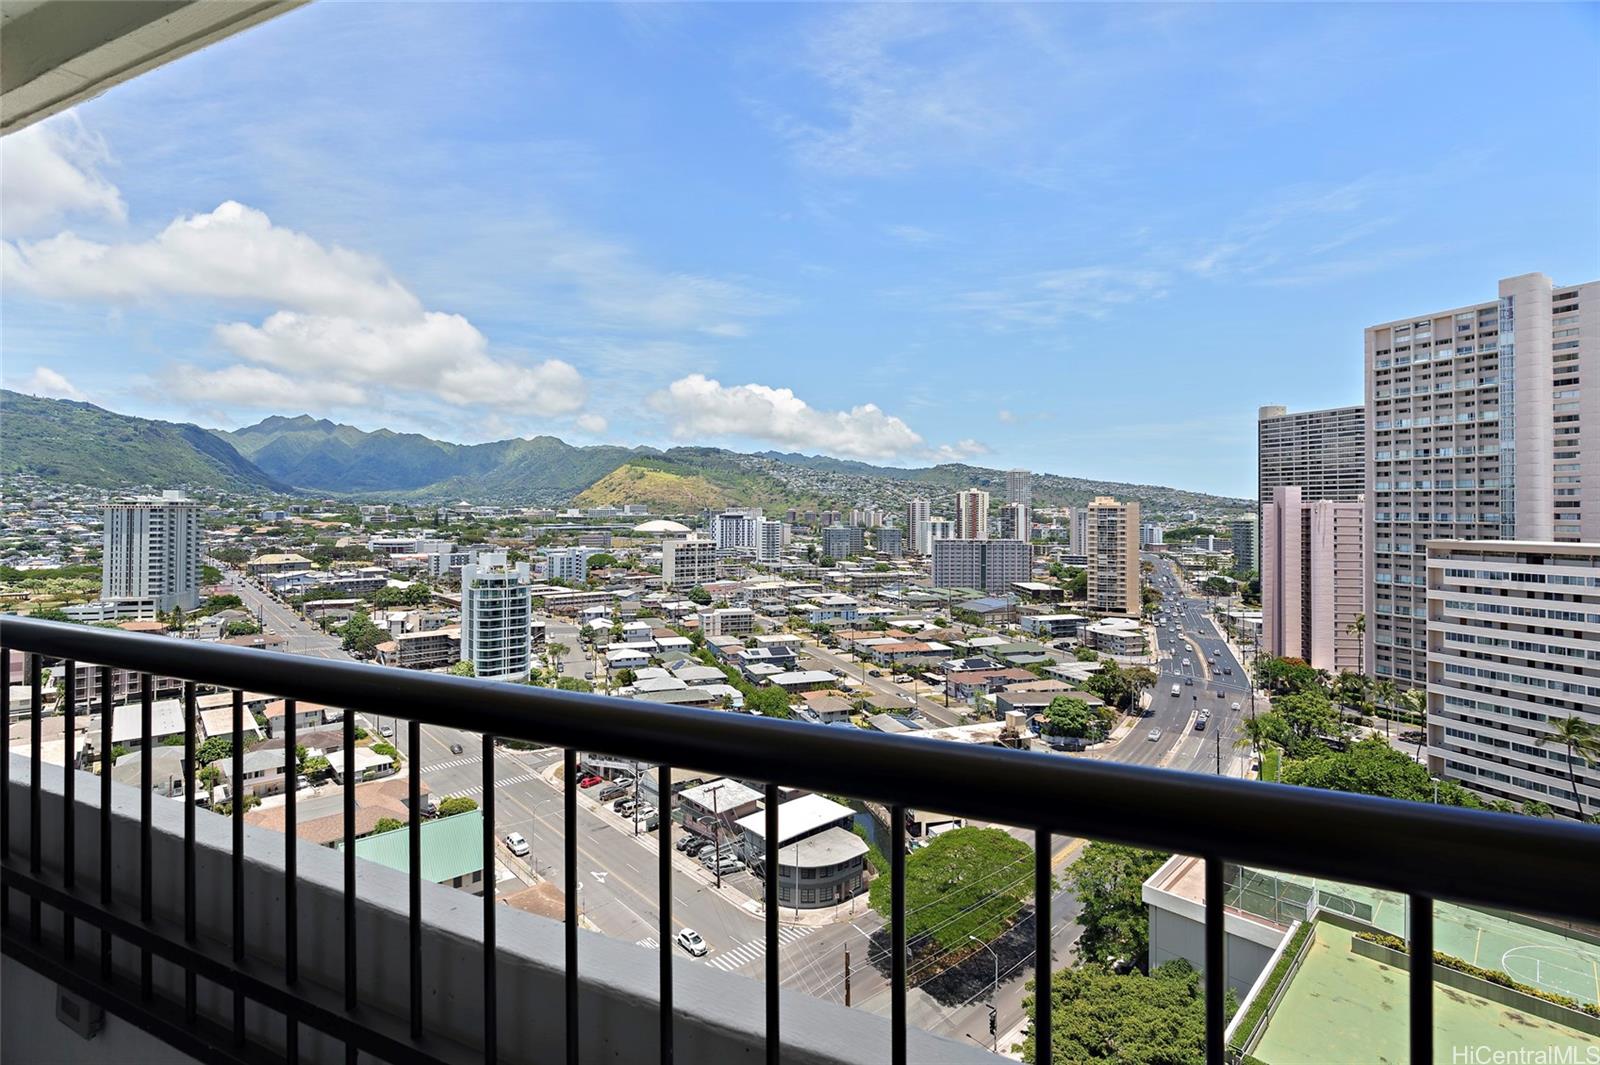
[994,990]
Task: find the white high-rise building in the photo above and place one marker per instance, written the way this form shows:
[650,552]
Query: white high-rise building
[1477,420]
[737,530]
[1019,487]
[150,549]
[972,514]
[568,563]
[1016,522]
[939,529]
[497,617]
[1513,647]
[1079,519]
[988,565]
[686,563]
[1151,534]
[769,540]
[917,513]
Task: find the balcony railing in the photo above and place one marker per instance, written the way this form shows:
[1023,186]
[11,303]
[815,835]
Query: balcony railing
[1426,852]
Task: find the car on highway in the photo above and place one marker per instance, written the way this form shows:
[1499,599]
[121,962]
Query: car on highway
[691,941]
[455,748]
[874,672]
[1189,680]
[1176,690]
[1154,734]
[1234,707]
[590,781]
[588,675]
[516,844]
[1228,670]
[1186,664]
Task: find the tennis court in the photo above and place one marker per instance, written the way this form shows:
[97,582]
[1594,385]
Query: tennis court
[1537,956]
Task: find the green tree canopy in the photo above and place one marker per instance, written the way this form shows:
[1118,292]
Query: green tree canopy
[1108,879]
[1070,717]
[768,702]
[1282,675]
[1372,767]
[387,824]
[360,636]
[457,804]
[966,882]
[699,595]
[1133,1020]
[463,669]
[213,750]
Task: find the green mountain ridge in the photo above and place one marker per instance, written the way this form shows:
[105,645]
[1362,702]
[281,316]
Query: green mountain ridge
[78,442]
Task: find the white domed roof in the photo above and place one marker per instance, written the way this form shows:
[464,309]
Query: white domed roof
[660,526]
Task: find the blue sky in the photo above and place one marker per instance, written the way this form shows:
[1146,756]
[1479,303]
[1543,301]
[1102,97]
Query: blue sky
[1083,239]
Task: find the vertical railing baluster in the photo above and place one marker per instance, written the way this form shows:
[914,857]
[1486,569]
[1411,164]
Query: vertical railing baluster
[107,716]
[350,875]
[5,781]
[491,983]
[1216,945]
[569,854]
[291,897]
[414,750]
[147,783]
[664,890]
[1043,997]
[237,810]
[770,891]
[35,768]
[897,934]
[190,930]
[1420,921]
[69,806]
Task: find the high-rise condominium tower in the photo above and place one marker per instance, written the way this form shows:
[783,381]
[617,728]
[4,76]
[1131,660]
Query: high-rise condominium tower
[150,549]
[972,514]
[1321,452]
[1016,522]
[918,540]
[1478,420]
[1312,580]
[1113,550]
[497,617]
[1019,487]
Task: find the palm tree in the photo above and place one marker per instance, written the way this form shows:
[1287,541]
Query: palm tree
[1415,701]
[1386,694]
[1582,740]
[553,653]
[1358,629]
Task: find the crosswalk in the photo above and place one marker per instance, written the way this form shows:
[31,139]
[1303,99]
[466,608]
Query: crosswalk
[477,789]
[745,953]
[454,763]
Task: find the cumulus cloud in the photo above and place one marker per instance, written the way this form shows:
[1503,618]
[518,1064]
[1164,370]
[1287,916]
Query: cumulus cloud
[47,382]
[697,406]
[51,171]
[591,423]
[346,328]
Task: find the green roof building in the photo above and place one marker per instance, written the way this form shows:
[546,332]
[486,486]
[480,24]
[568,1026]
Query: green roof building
[452,850]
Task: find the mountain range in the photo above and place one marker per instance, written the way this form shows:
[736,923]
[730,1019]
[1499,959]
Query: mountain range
[67,441]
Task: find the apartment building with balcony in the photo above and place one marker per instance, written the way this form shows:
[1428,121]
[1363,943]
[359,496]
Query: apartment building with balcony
[972,514]
[1323,452]
[686,563]
[150,550]
[1112,534]
[988,565]
[918,542]
[1513,647]
[497,617]
[1476,418]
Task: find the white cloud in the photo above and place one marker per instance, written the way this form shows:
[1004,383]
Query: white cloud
[960,451]
[51,170]
[699,407]
[256,388]
[47,382]
[591,423]
[1048,299]
[347,328]
[1006,417]
[233,253]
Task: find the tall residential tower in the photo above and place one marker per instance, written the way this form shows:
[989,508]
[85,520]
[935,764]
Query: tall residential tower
[150,549]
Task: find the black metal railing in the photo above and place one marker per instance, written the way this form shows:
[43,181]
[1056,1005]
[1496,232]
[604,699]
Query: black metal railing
[1426,852]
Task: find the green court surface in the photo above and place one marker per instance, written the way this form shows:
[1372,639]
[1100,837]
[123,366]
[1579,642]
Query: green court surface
[1341,1007]
[1536,956]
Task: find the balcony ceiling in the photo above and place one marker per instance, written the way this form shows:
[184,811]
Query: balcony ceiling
[56,53]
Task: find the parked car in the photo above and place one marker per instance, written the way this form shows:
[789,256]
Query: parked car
[516,844]
[626,800]
[612,791]
[651,823]
[386,731]
[691,941]
[590,781]
[625,807]
[728,865]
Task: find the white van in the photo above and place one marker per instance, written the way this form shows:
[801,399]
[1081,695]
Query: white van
[1177,690]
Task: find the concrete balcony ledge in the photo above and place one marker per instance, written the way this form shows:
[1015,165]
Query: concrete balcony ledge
[720,1017]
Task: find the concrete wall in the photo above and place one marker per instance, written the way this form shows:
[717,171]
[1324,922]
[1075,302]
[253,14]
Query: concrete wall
[720,1016]
[1173,935]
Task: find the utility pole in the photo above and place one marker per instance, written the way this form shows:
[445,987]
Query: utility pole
[847,978]
[716,815]
[1219,750]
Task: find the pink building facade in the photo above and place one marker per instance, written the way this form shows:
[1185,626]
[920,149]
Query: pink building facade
[1312,580]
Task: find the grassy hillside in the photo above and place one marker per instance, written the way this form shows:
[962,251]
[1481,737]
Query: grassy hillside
[79,443]
[663,491]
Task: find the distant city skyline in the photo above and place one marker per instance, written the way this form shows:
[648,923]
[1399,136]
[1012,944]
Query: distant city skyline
[1057,238]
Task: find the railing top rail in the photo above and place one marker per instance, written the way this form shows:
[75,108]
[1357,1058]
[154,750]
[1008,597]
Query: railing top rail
[1534,865]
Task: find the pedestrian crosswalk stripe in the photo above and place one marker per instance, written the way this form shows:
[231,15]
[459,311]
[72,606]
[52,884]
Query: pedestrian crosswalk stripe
[453,764]
[745,953]
[477,789]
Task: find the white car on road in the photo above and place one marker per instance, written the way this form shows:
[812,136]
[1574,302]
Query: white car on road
[516,844]
[691,941]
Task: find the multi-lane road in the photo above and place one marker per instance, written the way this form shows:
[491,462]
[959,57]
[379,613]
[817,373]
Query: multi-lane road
[617,870]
